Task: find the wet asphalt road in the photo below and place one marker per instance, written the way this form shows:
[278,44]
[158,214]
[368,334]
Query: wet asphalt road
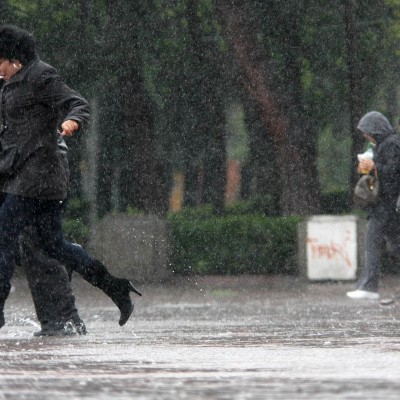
[210,338]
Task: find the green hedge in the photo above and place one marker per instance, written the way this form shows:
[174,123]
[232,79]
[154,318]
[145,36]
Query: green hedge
[76,231]
[232,244]
[75,221]
[245,239]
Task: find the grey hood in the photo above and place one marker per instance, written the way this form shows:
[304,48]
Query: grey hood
[376,125]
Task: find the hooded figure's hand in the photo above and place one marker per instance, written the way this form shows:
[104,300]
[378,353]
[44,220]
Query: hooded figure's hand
[365,166]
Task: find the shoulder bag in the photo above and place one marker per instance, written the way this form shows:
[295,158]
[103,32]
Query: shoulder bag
[366,191]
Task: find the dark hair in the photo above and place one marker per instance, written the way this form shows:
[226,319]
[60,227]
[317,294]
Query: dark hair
[16,44]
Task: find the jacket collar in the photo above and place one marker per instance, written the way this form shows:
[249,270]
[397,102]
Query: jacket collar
[23,72]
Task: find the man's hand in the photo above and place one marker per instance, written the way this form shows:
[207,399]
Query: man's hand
[69,127]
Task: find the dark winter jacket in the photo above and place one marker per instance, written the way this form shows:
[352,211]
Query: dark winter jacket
[386,155]
[33,103]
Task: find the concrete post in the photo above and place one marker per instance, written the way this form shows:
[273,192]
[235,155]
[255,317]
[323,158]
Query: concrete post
[331,247]
[134,247]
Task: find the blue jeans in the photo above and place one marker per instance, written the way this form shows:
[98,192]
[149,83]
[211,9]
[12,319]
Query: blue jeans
[383,229]
[16,213]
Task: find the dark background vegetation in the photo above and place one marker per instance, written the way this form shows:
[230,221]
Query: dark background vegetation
[184,85]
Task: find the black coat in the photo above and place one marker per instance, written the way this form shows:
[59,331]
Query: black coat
[33,104]
[387,161]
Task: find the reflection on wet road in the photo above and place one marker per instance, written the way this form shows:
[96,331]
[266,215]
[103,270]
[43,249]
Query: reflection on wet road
[210,338]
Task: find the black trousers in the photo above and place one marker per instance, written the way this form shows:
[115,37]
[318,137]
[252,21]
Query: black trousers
[49,282]
[17,213]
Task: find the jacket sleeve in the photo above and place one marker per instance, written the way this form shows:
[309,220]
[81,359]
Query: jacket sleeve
[52,91]
[389,170]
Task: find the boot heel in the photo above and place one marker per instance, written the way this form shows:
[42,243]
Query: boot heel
[133,289]
[118,289]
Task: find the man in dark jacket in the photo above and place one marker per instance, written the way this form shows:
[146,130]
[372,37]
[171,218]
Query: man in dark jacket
[32,101]
[383,219]
[49,282]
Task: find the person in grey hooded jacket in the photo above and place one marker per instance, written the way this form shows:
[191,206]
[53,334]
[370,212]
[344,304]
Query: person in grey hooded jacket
[383,219]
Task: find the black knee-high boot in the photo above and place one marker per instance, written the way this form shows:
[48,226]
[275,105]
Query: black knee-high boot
[117,289]
[4,292]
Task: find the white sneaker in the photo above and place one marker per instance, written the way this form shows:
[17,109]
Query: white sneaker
[363,294]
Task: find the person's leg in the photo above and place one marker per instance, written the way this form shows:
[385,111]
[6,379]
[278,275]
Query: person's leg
[15,214]
[49,284]
[50,287]
[392,234]
[374,244]
[48,223]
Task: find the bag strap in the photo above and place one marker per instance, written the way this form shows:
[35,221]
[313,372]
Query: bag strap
[375,173]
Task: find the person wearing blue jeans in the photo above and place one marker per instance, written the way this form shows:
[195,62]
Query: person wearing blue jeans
[35,105]
[383,227]
[382,230]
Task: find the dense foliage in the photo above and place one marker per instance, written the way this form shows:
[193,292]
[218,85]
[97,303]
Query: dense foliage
[167,78]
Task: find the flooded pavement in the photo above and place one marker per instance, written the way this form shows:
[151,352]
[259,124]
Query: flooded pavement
[210,338]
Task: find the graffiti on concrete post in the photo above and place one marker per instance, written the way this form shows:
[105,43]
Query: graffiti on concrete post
[331,248]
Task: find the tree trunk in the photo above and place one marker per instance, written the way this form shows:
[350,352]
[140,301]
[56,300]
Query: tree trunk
[110,125]
[260,175]
[215,166]
[142,181]
[299,190]
[206,175]
[136,165]
[355,86]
